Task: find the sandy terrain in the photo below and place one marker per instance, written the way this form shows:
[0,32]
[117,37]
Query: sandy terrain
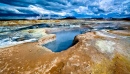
[99,52]
[51,22]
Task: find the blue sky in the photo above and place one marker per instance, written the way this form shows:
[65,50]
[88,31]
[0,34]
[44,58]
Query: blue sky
[63,8]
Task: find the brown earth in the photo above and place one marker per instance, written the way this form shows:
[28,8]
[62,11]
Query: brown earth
[93,54]
[28,22]
[52,22]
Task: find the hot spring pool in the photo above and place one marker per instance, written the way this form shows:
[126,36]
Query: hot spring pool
[64,40]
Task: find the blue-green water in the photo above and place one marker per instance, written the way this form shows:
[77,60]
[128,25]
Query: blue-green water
[64,40]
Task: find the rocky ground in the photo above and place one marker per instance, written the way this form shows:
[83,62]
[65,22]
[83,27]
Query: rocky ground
[96,52]
[23,36]
[31,22]
[56,22]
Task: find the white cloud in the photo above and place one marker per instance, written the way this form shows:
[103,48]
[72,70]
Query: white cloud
[8,8]
[106,5]
[60,13]
[40,10]
[83,10]
[11,10]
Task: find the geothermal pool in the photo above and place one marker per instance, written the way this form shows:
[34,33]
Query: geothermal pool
[64,40]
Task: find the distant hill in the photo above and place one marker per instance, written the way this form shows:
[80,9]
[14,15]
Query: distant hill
[70,17]
[126,19]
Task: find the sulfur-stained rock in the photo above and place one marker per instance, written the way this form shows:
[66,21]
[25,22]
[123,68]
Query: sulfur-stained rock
[100,52]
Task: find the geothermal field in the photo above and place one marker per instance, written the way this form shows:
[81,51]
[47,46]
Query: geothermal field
[65,47]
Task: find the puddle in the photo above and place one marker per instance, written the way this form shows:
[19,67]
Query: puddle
[64,40]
